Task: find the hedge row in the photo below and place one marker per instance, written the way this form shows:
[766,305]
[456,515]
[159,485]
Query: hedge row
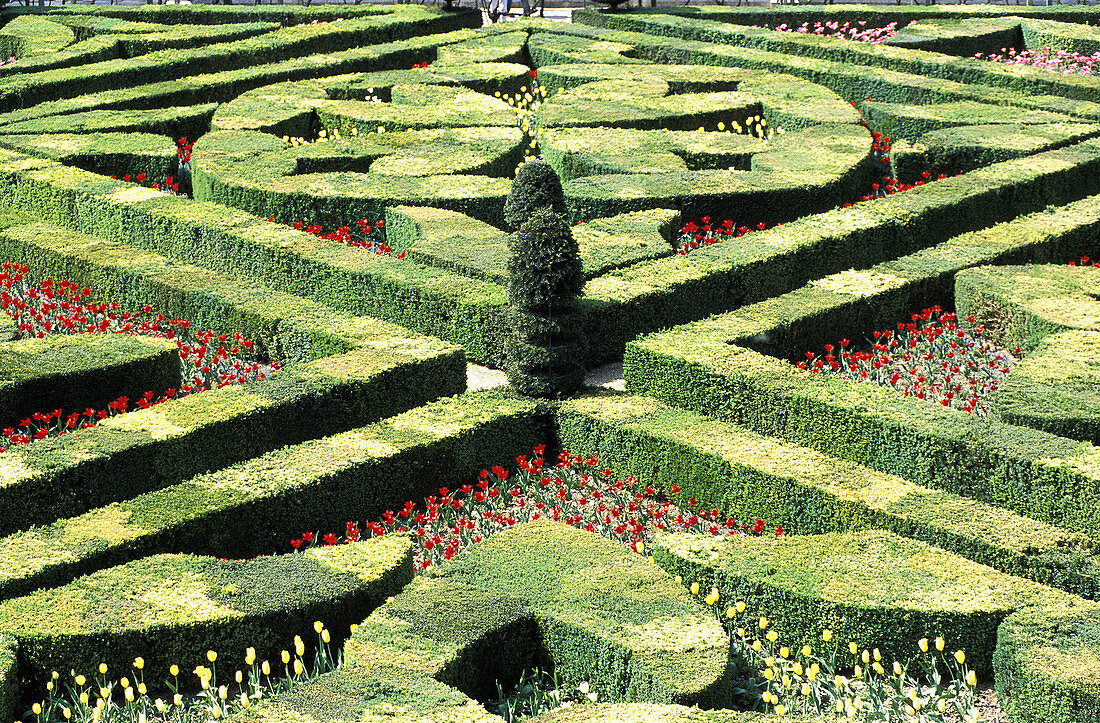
[77,372]
[175,122]
[256,506]
[529,595]
[450,240]
[1037,81]
[870,587]
[726,366]
[655,713]
[1046,665]
[344,371]
[850,81]
[430,300]
[1053,312]
[225,85]
[30,35]
[747,476]
[876,14]
[172,609]
[218,14]
[115,154]
[9,678]
[165,65]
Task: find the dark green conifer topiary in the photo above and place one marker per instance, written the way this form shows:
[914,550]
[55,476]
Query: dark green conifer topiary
[535,186]
[546,349]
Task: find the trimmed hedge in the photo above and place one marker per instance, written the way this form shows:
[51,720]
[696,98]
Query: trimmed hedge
[545,591]
[9,679]
[116,154]
[727,367]
[748,476]
[1021,305]
[345,371]
[227,85]
[1052,311]
[871,587]
[911,121]
[429,300]
[163,65]
[218,14]
[964,38]
[76,372]
[171,609]
[253,507]
[29,35]
[653,713]
[176,122]
[1037,81]
[850,81]
[1045,666]
[962,149]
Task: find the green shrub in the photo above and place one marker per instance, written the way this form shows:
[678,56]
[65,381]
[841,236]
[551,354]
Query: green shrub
[545,279]
[536,186]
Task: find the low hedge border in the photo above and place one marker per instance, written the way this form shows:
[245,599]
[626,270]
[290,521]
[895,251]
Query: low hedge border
[254,507]
[852,82]
[870,587]
[81,371]
[747,476]
[172,609]
[344,371]
[1045,664]
[1036,81]
[726,367]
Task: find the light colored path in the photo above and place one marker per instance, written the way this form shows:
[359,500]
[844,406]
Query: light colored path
[609,376]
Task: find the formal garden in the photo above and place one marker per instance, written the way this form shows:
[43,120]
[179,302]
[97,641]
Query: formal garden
[846,256]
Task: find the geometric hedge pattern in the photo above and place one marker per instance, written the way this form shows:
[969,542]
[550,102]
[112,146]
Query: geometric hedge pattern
[140,535]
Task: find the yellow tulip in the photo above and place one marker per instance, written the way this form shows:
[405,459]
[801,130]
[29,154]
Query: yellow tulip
[103,669]
[923,645]
[826,635]
[807,651]
[298,667]
[139,663]
[84,698]
[784,652]
[266,668]
[939,644]
[878,655]
[781,709]
[354,627]
[36,709]
[763,623]
[740,606]
[67,713]
[960,657]
[853,647]
[174,670]
[286,657]
[124,682]
[878,668]
[805,689]
[859,671]
[772,636]
[694,588]
[730,612]
[211,655]
[971,678]
[177,699]
[159,704]
[798,668]
[238,676]
[81,680]
[249,656]
[769,673]
[865,657]
[129,693]
[318,627]
[897,668]
[222,692]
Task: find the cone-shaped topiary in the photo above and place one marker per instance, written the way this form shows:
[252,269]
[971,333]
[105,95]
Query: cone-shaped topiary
[535,186]
[546,349]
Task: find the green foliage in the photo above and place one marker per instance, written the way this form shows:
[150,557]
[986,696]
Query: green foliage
[536,186]
[545,277]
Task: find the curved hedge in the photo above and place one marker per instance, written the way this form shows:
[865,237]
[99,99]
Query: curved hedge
[535,592]
[173,608]
[1046,664]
